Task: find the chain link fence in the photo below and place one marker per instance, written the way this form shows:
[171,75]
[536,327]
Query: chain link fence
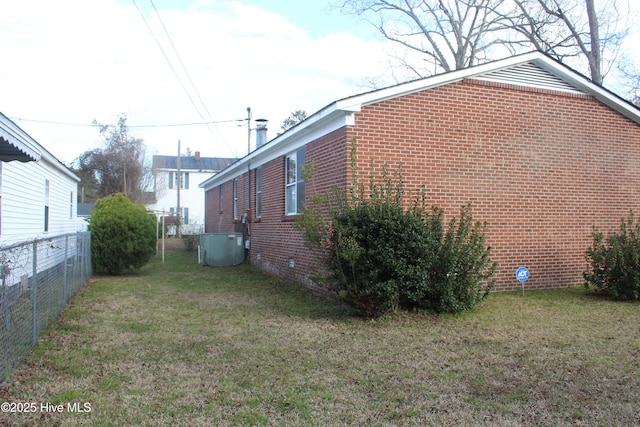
[38,279]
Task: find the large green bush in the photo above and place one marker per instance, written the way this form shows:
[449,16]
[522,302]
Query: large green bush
[461,276]
[379,252]
[383,256]
[123,235]
[614,262]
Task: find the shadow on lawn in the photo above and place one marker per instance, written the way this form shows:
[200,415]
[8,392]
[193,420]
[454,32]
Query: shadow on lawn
[291,299]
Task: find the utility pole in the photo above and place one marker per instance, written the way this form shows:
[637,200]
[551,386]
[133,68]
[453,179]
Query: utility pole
[124,167]
[248,130]
[248,152]
[178,184]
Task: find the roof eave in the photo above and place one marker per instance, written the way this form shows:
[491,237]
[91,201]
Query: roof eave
[325,120]
[582,83]
[347,106]
[16,144]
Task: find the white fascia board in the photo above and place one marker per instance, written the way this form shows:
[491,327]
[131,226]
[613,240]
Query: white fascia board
[302,137]
[228,174]
[319,124]
[354,103]
[57,164]
[575,79]
[581,82]
[403,89]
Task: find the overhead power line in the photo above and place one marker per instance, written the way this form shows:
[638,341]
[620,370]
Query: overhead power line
[204,120]
[49,122]
[186,72]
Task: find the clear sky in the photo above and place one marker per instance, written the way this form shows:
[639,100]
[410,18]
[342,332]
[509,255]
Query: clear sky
[319,18]
[69,62]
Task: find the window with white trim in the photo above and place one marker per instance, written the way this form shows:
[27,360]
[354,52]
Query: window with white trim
[294,182]
[46,205]
[259,192]
[235,199]
[184,180]
[221,197]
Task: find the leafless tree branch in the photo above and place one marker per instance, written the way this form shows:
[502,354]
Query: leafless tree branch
[456,34]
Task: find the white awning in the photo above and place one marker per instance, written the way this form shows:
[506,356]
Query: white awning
[15,144]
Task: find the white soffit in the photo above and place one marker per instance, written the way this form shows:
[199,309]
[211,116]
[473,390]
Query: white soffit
[530,75]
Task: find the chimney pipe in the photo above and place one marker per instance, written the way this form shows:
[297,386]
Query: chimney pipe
[197,156]
[261,132]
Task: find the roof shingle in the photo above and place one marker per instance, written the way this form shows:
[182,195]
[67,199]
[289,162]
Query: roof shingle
[190,163]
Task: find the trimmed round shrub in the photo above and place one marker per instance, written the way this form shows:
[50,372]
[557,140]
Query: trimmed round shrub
[123,235]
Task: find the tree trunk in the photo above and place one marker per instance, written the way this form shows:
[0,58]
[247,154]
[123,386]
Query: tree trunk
[595,59]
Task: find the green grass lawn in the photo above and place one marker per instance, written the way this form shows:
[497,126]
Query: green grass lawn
[184,345]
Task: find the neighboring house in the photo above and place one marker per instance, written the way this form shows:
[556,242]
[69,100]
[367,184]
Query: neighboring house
[541,153]
[37,192]
[84,213]
[193,170]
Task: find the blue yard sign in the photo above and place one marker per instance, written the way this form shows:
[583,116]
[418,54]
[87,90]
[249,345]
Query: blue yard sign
[522,274]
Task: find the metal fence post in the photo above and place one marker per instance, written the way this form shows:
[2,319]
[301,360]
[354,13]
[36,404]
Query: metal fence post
[34,297]
[64,273]
[5,296]
[83,256]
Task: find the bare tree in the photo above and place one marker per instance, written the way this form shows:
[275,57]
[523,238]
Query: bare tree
[567,29]
[454,34]
[447,34]
[631,77]
[119,167]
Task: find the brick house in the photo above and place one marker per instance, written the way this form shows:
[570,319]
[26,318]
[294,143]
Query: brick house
[540,152]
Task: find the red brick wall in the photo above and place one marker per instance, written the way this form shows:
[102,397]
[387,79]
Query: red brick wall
[222,220]
[540,167]
[274,238]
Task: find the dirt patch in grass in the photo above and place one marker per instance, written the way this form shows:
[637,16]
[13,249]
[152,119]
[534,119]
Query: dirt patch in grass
[180,344]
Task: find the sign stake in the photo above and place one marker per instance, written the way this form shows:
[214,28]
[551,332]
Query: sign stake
[522,274]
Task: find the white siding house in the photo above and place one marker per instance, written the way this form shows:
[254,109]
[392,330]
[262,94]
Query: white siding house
[43,260]
[37,192]
[194,169]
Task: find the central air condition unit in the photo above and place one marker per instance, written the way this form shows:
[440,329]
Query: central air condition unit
[221,249]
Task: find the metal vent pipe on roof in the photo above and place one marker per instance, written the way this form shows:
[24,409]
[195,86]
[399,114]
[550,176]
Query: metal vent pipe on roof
[261,132]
